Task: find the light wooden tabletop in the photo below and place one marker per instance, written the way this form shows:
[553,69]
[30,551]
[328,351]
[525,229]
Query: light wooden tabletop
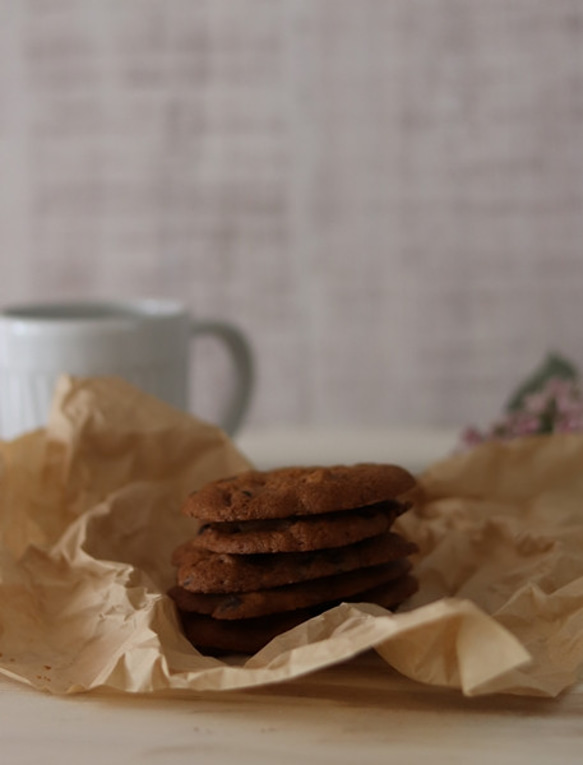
[360,712]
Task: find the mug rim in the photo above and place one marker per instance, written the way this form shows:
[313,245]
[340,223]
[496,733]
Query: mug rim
[92,311]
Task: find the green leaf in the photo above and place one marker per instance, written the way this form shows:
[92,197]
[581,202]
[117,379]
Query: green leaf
[553,366]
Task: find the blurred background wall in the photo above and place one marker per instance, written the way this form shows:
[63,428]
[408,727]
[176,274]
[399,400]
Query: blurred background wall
[387,195]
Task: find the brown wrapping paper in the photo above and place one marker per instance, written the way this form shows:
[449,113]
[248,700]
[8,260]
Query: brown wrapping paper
[89,513]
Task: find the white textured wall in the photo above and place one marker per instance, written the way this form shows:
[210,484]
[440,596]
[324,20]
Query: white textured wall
[386,194]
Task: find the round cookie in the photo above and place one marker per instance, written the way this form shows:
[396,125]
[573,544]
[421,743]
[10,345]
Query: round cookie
[247,605]
[216,636]
[388,597]
[300,533]
[204,571]
[295,491]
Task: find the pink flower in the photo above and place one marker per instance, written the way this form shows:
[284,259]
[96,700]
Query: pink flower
[556,408]
[472,437]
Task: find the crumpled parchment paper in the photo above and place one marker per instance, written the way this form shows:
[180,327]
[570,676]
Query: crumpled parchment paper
[89,515]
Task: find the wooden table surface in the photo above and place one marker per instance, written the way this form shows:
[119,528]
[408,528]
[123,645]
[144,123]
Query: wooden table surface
[359,712]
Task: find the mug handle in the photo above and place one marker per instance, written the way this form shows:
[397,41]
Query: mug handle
[240,351]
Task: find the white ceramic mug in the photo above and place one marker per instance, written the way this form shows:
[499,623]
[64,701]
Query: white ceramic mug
[144,341]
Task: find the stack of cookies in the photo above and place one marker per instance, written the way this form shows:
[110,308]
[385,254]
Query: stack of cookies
[276,548]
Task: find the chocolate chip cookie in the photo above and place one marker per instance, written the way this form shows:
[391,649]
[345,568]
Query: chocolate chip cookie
[293,491]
